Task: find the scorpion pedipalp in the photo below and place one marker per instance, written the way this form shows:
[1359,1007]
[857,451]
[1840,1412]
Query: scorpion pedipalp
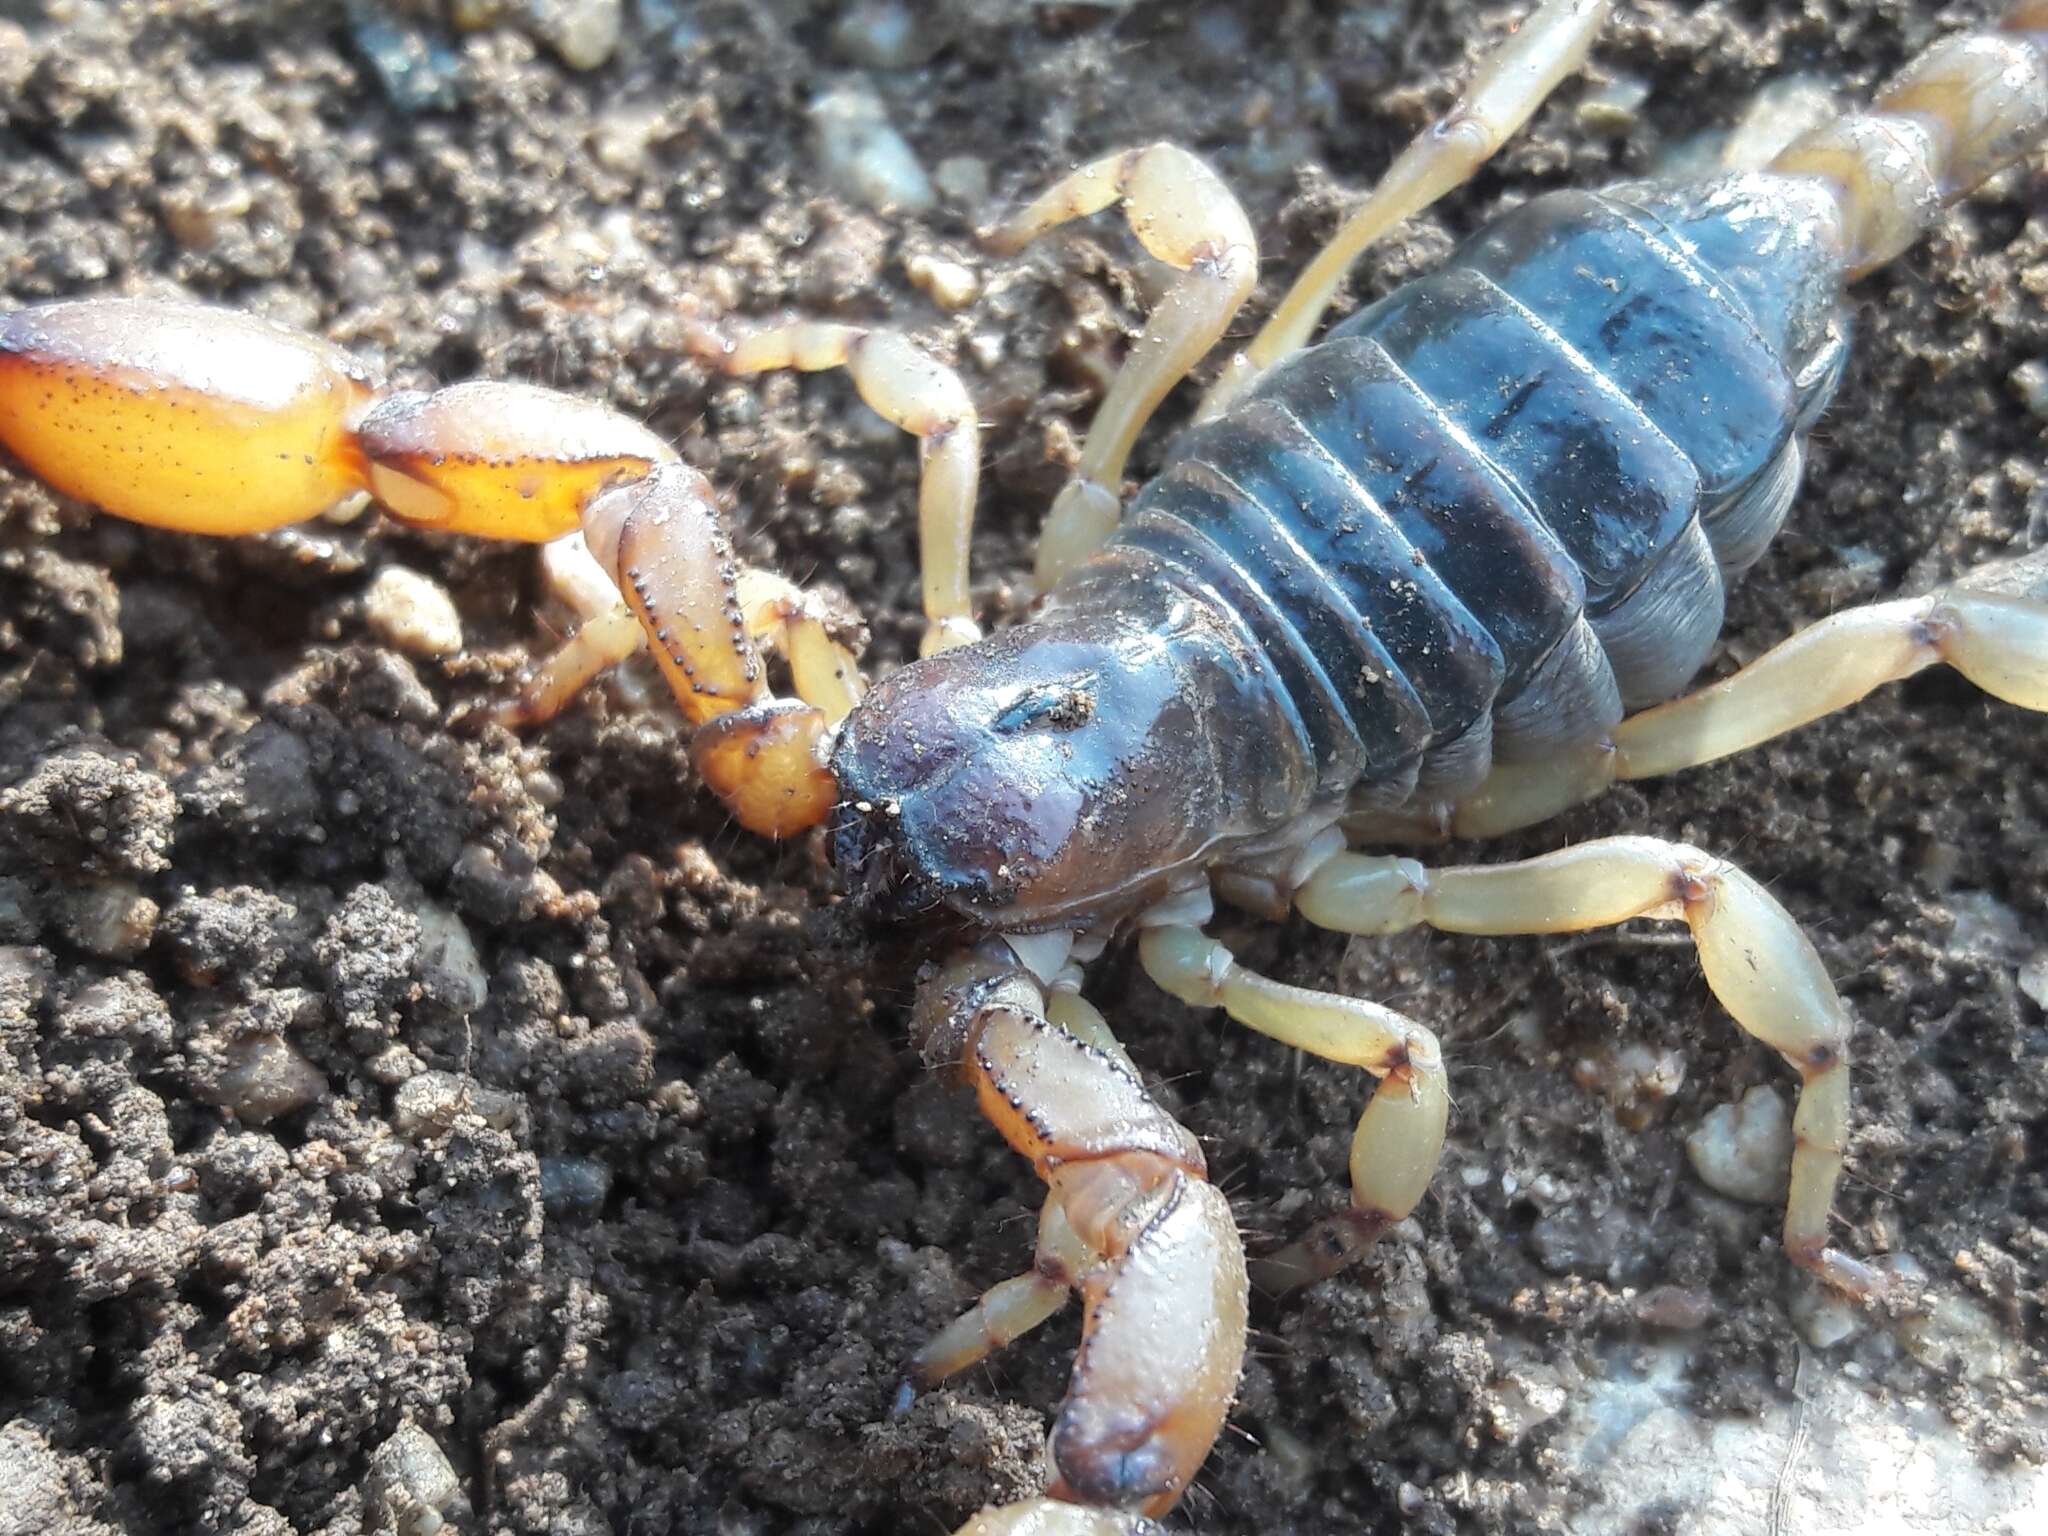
[208,421]
[1131,1220]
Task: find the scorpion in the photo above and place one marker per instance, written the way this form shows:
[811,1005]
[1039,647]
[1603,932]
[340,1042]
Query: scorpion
[1447,570]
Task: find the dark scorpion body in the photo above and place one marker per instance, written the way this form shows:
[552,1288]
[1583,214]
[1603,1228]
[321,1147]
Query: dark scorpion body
[1478,521]
[1408,579]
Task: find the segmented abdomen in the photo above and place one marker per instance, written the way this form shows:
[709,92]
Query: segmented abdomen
[1486,515]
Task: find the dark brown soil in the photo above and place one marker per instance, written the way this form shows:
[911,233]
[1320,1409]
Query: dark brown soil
[650,1257]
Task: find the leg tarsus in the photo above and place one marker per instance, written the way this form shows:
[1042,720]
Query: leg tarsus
[1400,1135]
[597,646]
[1011,1308]
[1329,1247]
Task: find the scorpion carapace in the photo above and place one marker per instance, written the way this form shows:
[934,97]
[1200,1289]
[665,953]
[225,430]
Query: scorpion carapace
[1406,580]
[1060,773]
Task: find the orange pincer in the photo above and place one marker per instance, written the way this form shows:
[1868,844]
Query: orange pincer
[179,415]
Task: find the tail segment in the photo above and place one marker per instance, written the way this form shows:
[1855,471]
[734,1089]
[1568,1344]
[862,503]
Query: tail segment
[1964,110]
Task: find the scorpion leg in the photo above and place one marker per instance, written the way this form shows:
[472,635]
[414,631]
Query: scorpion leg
[1992,627]
[606,634]
[1511,84]
[1957,114]
[1758,963]
[1400,1136]
[1141,1231]
[1183,214]
[909,390]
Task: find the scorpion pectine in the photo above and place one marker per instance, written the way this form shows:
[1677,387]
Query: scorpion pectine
[1405,581]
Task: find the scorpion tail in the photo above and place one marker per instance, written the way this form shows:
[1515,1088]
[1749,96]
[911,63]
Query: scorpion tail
[1957,115]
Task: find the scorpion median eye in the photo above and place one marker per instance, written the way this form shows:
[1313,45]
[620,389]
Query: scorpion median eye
[1054,706]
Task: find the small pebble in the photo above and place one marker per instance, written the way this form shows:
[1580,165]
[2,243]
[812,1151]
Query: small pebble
[1744,1151]
[412,613]
[948,284]
[1679,1308]
[2030,382]
[622,136]
[583,33]
[429,1105]
[114,921]
[1823,1316]
[393,1065]
[198,217]
[412,1489]
[447,962]
[861,153]
[574,1188]
[266,1078]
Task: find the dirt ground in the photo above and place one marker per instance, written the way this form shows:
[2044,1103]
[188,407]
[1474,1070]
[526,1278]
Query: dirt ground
[361,1066]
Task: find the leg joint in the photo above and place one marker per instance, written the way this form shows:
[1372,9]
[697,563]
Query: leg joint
[1695,879]
[1821,1056]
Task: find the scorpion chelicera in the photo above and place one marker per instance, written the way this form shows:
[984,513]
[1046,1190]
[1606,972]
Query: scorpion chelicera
[1407,580]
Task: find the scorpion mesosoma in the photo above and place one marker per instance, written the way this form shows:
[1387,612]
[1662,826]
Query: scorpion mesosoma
[1406,580]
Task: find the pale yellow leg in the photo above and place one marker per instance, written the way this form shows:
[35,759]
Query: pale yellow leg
[1400,1136]
[606,633]
[1511,84]
[1009,1310]
[1084,1021]
[776,613]
[780,616]
[1183,214]
[598,645]
[926,399]
[1758,964]
[1997,639]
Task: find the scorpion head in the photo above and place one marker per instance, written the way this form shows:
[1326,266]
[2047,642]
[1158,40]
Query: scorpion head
[1054,775]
